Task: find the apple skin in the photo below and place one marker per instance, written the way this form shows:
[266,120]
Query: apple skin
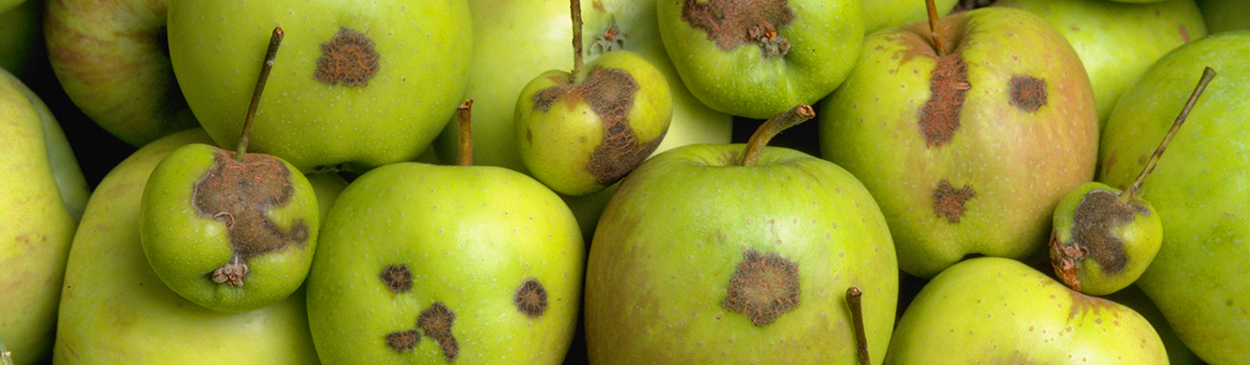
[470,235]
[1017,164]
[115,310]
[1198,279]
[825,36]
[997,310]
[670,239]
[21,36]
[886,14]
[424,50]
[1139,239]
[1225,15]
[34,164]
[1116,41]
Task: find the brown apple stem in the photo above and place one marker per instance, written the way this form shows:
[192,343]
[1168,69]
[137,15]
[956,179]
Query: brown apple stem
[274,40]
[575,9]
[857,317]
[771,128]
[464,113]
[933,29]
[1207,75]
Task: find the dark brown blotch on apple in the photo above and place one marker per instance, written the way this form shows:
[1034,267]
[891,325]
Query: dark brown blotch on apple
[1028,93]
[239,194]
[437,321]
[610,93]
[732,23]
[403,341]
[1095,220]
[531,298]
[348,59]
[948,90]
[397,278]
[948,202]
[764,287]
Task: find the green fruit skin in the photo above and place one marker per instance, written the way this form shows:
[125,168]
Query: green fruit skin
[824,36]
[1199,189]
[115,310]
[556,145]
[21,36]
[1225,15]
[1141,240]
[1116,41]
[467,247]
[991,310]
[425,47]
[676,230]
[885,14]
[184,248]
[1134,298]
[1019,164]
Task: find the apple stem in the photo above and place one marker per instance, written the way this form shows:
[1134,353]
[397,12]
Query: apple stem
[771,128]
[579,73]
[857,317]
[1207,75]
[274,40]
[464,113]
[933,28]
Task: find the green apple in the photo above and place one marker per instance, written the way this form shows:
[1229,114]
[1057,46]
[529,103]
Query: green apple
[115,310]
[1225,15]
[759,58]
[701,257]
[44,191]
[1198,279]
[21,29]
[1117,41]
[110,57]
[886,14]
[362,83]
[991,310]
[967,146]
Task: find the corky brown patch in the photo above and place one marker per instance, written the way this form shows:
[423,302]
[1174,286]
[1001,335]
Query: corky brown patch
[531,298]
[949,202]
[1093,235]
[348,58]
[1027,93]
[732,23]
[403,341]
[763,288]
[397,278]
[437,321]
[239,194]
[948,88]
[610,94]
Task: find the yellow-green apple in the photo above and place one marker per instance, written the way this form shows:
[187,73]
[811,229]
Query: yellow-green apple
[1198,279]
[967,140]
[1225,15]
[886,14]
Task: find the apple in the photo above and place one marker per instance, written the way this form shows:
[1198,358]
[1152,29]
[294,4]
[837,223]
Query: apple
[115,310]
[20,36]
[998,310]
[886,14]
[967,144]
[738,254]
[1225,15]
[44,193]
[362,83]
[1198,279]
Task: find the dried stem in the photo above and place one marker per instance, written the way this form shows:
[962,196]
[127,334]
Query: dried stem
[1207,74]
[464,114]
[579,72]
[771,128]
[933,29]
[274,41]
[857,316]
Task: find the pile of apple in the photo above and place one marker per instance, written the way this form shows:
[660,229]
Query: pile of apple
[545,182]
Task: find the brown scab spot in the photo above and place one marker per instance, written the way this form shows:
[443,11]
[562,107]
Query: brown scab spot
[397,278]
[1028,93]
[1095,220]
[732,23]
[403,341]
[763,288]
[948,89]
[437,321]
[348,58]
[531,298]
[949,202]
[239,194]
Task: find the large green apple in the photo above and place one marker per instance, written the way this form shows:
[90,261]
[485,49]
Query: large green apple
[421,263]
[43,196]
[967,149]
[993,310]
[363,83]
[115,310]
[698,259]
[1198,279]
[1225,15]
[1116,41]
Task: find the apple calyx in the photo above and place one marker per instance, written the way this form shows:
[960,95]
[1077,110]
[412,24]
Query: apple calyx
[732,23]
[1134,191]
[771,128]
[1095,220]
[764,287]
[349,58]
[531,298]
[609,40]
[855,302]
[464,116]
